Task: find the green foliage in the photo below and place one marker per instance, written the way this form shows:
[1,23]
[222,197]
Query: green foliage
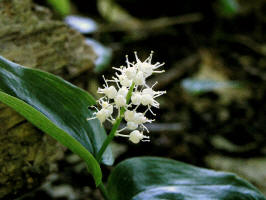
[158,178]
[61,6]
[56,107]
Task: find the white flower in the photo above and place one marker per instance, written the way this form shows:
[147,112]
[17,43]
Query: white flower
[129,81]
[149,91]
[153,93]
[136,98]
[147,99]
[124,81]
[136,136]
[102,114]
[129,115]
[120,101]
[149,95]
[130,72]
[146,67]
[122,91]
[139,118]
[105,113]
[110,92]
[132,125]
[139,79]
[108,107]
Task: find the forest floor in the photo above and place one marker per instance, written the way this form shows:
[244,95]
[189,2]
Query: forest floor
[213,114]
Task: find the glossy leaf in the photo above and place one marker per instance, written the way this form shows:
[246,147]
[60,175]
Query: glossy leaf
[155,178]
[56,102]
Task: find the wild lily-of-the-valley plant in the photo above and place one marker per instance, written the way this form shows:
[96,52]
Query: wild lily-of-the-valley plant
[127,92]
[126,96]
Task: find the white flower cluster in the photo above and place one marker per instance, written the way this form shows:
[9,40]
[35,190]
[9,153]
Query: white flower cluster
[133,76]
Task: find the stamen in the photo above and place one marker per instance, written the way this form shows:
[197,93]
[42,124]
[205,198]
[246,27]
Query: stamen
[121,135]
[118,69]
[154,84]
[105,81]
[91,118]
[159,93]
[145,140]
[136,56]
[121,130]
[144,127]
[157,65]
[136,107]
[149,108]
[151,54]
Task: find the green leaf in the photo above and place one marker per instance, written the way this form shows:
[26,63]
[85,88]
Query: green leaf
[56,107]
[155,178]
[60,6]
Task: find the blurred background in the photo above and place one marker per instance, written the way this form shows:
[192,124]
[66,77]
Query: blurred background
[213,114]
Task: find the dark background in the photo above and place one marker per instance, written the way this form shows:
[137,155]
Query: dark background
[213,114]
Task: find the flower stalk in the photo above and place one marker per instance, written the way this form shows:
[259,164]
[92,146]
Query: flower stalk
[118,120]
[104,191]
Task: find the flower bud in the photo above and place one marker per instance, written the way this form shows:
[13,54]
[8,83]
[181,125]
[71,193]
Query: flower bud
[149,91]
[122,91]
[132,125]
[129,115]
[102,115]
[136,136]
[136,98]
[146,68]
[147,99]
[130,72]
[139,78]
[124,81]
[110,92]
[120,101]
[139,118]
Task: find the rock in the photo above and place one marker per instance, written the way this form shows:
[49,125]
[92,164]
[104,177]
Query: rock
[30,37]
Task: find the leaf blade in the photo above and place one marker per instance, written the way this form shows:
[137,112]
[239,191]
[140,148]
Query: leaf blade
[60,101]
[159,178]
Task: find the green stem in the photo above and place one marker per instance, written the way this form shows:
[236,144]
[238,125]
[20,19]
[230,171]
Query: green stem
[104,191]
[118,120]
